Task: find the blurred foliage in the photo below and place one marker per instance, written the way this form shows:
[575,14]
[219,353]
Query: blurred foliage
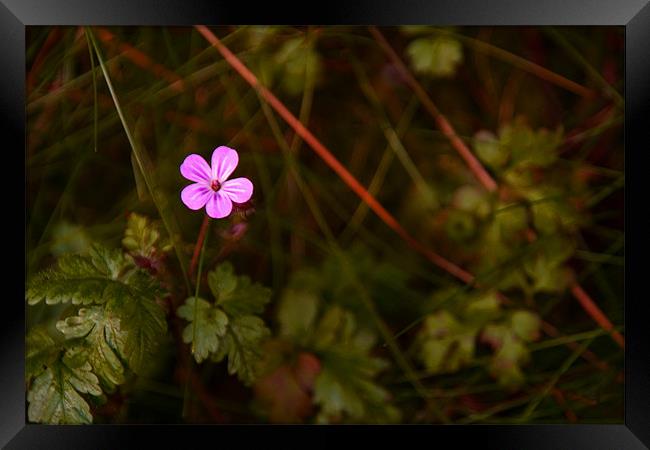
[355,326]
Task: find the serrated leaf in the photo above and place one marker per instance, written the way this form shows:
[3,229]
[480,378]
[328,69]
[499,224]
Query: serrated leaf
[55,395]
[237,295]
[103,341]
[79,279]
[207,326]
[242,346]
[142,318]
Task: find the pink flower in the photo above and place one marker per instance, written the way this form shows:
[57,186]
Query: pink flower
[212,188]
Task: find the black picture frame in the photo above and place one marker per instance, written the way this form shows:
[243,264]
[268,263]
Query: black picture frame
[15,15]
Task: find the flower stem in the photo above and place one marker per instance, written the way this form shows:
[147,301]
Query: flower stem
[199,244]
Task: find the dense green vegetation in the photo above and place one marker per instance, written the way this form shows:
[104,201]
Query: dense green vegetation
[463,264]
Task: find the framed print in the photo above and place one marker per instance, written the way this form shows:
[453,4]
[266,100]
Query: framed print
[378,218]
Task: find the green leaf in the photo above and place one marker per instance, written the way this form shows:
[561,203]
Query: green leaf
[206,329]
[336,327]
[222,280]
[546,276]
[511,220]
[445,345]
[346,391]
[242,345]
[55,395]
[237,295]
[229,328]
[460,225]
[79,279]
[142,318]
[483,308]
[525,325]
[510,354]
[529,147]
[489,149]
[129,295]
[506,363]
[435,56]
[472,200]
[297,312]
[103,341]
[142,237]
[41,351]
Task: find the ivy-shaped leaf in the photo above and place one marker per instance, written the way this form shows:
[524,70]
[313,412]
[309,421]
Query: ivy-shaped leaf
[229,327]
[237,295]
[55,396]
[206,329]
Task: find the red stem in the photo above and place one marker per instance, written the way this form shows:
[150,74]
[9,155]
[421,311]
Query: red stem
[596,313]
[199,244]
[331,160]
[447,129]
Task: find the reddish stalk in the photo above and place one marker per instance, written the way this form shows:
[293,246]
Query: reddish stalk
[330,159]
[199,244]
[596,313]
[334,164]
[443,124]
[479,171]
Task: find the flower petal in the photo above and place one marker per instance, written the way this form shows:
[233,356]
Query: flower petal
[219,206]
[224,162]
[196,195]
[239,190]
[194,168]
